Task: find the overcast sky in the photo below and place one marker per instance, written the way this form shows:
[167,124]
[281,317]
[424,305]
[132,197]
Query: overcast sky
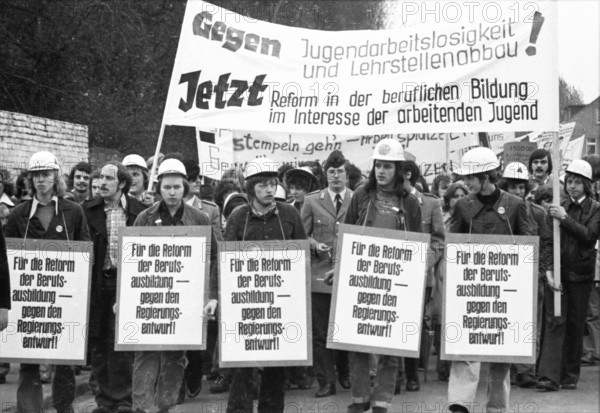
[579,45]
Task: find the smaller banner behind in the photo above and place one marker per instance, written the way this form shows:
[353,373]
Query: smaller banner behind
[162,288]
[378,291]
[264,304]
[50,283]
[490,298]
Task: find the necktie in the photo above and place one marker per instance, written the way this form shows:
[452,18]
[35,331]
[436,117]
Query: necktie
[338,203]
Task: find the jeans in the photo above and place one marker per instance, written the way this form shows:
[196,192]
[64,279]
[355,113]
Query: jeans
[591,342]
[29,392]
[385,379]
[464,378]
[113,369]
[271,394]
[157,377]
[560,360]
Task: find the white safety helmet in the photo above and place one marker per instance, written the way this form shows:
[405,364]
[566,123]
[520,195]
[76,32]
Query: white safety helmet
[516,170]
[43,161]
[388,150]
[135,160]
[478,160]
[280,194]
[580,167]
[261,166]
[172,166]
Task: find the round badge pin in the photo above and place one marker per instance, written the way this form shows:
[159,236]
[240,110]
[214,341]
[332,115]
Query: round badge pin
[501,210]
[59,228]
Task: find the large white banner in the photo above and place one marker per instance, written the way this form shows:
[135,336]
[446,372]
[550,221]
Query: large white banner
[488,66]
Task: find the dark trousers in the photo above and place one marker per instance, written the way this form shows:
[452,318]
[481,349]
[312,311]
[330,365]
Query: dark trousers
[560,359]
[113,369]
[325,360]
[271,393]
[29,392]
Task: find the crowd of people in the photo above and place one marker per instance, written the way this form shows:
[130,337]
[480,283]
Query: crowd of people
[271,201]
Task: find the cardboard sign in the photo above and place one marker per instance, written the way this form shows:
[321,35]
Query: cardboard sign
[490,298]
[50,294]
[162,288]
[518,152]
[264,304]
[378,291]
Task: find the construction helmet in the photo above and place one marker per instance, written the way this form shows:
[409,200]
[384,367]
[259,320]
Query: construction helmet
[43,161]
[313,182]
[516,170]
[261,166]
[172,166]
[280,194]
[478,160]
[580,167]
[388,150]
[135,160]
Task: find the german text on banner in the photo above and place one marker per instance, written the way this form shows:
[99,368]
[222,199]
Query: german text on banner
[50,294]
[264,304]
[162,288]
[490,298]
[492,67]
[378,292]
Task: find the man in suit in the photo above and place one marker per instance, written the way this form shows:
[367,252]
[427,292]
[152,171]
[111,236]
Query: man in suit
[105,214]
[433,223]
[321,213]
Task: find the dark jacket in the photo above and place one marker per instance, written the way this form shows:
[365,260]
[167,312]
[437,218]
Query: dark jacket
[578,235]
[191,216]
[243,224]
[4,274]
[543,228]
[96,217]
[409,214]
[70,215]
[508,215]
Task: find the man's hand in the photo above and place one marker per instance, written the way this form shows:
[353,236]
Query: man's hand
[322,247]
[3,318]
[555,285]
[210,309]
[115,308]
[329,277]
[557,212]
[148,198]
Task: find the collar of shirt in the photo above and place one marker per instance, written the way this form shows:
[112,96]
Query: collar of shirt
[261,214]
[577,201]
[122,203]
[165,214]
[5,199]
[333,194]
[35,204]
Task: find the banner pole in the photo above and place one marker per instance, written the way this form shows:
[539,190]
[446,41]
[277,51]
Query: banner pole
[155,160]
[555,223]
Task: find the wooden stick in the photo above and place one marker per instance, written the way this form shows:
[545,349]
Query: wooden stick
[154,162]
[555,223]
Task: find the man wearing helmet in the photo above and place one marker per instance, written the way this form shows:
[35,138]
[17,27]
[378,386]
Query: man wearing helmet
[46,216]
[516,182]
[157,375]
[262,219]
[579,217]
[486,210]
[105,215]
[382,203]
[136,166]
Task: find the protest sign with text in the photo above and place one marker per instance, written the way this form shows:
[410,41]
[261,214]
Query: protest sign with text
[50,294]
[378,291]
[478,72]
[264,304]
[162,288]
[490,298]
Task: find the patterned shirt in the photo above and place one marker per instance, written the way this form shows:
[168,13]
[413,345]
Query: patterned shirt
[115,218]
